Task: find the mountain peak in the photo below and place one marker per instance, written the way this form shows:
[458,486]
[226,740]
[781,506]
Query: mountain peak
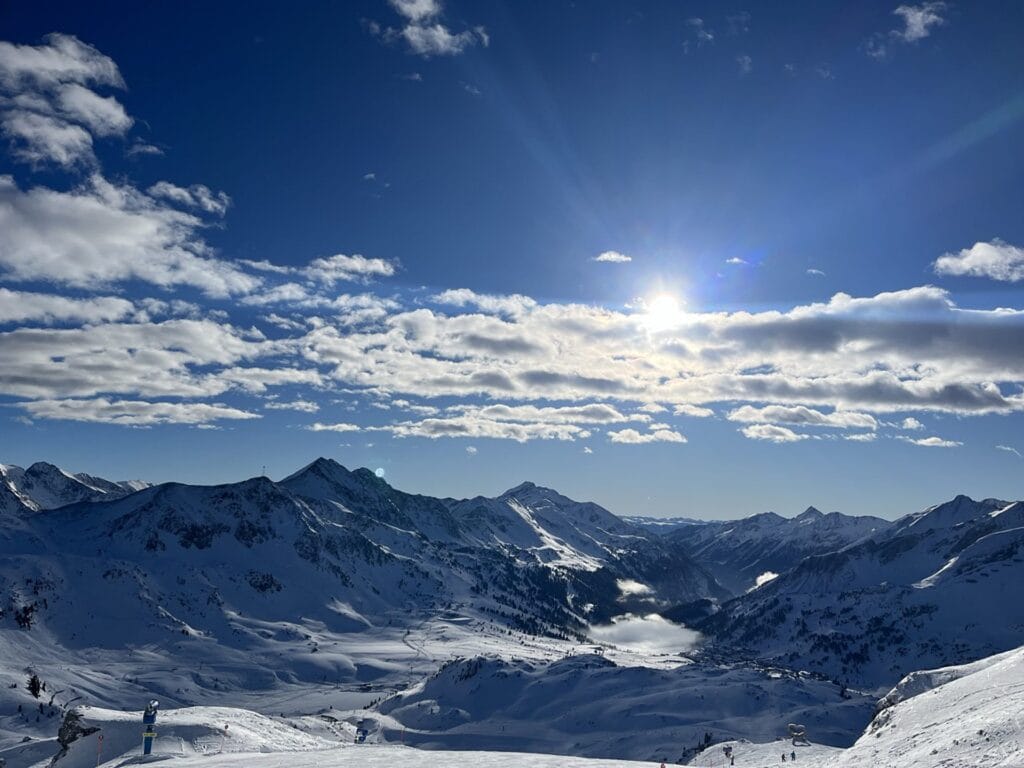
[810,513]
[523,486]
[322,467]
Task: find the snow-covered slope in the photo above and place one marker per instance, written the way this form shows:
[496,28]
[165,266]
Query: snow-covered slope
[960,717]
[588,705]
[45,486]
[937,587]
[737,552]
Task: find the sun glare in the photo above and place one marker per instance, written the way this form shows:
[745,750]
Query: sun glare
[662,311]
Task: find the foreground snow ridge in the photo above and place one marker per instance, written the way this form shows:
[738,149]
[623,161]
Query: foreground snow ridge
[958,717]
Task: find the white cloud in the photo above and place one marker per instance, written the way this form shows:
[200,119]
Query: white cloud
[652,634]
[932,442]
[425,33]
[694,411]
[1009,449]
[514,304]
[735,260]
[100,233]
[471,450]
[196,196]
[800,415]
[587,449]
[862,437]
[918,20]
[348,268]
[134,413]
[631,588]
[911,423]
[304,406]
[996,260]
[22,306]
[745,64]
[772,433]
[815,272]
[632,437]
[474,426]
[48,110]
[612,257]
[340,427]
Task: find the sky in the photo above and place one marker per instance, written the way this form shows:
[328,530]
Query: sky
[698,259]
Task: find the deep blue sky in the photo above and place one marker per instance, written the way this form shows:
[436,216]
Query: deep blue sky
[506,168]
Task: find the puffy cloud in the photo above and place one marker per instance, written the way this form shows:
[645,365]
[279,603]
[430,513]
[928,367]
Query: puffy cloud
[514,304]
[694,411]
[49,111]
[476,426]
[911,423]
[340,427]
[996,260]
[918,20]
[632,437]
[932,442]
[134,413]
[23,306]
[800,415]
[304,406]
[425,33]
[101,233]
[471,450]
[63,58]
[772,433]
[613,257]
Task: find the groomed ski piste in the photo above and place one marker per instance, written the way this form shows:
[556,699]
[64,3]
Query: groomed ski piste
[970,716]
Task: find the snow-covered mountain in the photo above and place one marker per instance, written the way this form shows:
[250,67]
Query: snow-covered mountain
[44,486]
[218,570]
[934,588]
[737,552]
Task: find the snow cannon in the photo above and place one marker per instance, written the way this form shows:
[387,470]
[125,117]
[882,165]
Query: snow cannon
[798,733]
[148,721]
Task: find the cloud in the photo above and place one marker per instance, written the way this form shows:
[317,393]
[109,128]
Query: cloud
[745,64]
[995,260]
[587,449]
[514,304]
[764,578]
[49,112]
[341,427]
[632,437]
[651,634]
[471,450]
[772,433]
[425,34]
[23,306]
[102,233]
[304,406]
[134,413]
[815,272]
[700,31]
[800,415]
[694,411]
[735,260]
[918,20]
[196,196]
[612,257]
[862,437]
[911,423]
[630,588]
[474,426]
[1009,449]
[931,442]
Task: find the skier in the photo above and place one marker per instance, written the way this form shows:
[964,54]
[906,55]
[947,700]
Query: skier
[792,755]
[783,757]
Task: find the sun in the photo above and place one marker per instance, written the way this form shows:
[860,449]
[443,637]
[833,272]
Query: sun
[662,311]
